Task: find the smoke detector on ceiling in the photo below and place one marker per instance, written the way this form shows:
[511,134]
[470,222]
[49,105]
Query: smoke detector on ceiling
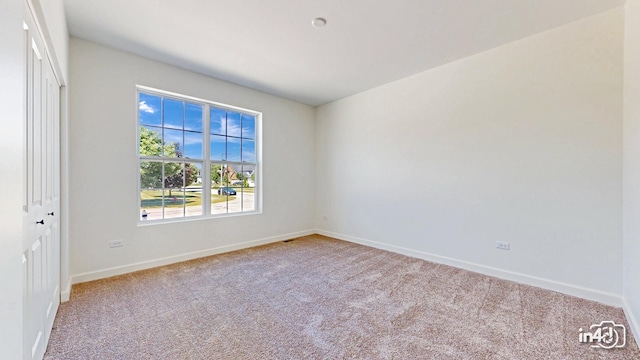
[319,22]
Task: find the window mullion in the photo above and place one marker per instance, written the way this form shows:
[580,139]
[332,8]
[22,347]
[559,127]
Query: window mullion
[206,163]
[162,191]
[226,156]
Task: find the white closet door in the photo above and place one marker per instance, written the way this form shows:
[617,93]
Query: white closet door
[51,192]
[41,241]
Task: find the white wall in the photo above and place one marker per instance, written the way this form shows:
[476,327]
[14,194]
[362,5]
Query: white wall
[631,174]
[521,144]
[104,173]
[11,145]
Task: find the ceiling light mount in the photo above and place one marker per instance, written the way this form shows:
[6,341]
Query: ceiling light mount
[319,22]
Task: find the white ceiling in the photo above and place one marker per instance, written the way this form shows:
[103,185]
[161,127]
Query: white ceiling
[271,46]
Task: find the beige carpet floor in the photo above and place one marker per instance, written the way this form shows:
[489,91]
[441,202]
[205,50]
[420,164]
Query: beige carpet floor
[321,298]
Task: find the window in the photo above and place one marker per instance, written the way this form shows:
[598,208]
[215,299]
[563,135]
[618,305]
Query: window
[197,158]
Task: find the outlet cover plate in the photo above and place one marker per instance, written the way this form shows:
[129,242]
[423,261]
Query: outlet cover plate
[116,243]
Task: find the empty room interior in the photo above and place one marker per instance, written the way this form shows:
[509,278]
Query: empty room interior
[322,179]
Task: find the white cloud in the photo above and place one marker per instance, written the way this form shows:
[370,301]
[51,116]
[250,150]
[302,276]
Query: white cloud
[146,107]
[249,155]
[221,129]
[192,138]
[233,129]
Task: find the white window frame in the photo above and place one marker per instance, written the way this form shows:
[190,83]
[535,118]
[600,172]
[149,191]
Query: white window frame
[206,160]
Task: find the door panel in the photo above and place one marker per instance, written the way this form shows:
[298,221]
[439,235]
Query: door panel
[26,298]
[37,119]
[36,294]
[51,200]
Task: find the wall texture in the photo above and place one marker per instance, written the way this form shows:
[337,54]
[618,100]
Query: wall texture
[104,173]
[12,90]
[522,144]
[631,177]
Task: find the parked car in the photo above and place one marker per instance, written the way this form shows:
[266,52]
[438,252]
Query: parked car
[226,191]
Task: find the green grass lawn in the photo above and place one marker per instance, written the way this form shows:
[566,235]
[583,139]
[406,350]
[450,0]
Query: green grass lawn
[153,198]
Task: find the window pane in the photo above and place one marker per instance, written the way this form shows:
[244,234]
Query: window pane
[248,189]
[219,184]
[192,145]
[218,148]
[216,179]
[218,203]
[235,175]
[248,126]
[234,127]
[234,205]
[232,174]
[149,107]
[218,119]
[150,175]
[151,204]
[193,189]
[150,190]
[248,171]
[193,117]
[150,141]
[227,174]
[173,203]
[173,114]
[173,190]
[173,143]
[235,192]
[233,149]
[173,175]
[248,150]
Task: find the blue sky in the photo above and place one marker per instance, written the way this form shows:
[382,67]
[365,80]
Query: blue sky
[232,135]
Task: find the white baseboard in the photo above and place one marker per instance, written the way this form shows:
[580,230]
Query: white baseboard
[119,270]
[632,319]
[574,290]
[65,294]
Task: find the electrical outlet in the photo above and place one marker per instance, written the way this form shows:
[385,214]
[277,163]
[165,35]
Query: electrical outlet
[116,243]
[502,245]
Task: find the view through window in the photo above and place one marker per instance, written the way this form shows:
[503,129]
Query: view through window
[197,158]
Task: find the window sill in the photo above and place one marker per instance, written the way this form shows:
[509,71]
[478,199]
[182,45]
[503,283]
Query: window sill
[143,223]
